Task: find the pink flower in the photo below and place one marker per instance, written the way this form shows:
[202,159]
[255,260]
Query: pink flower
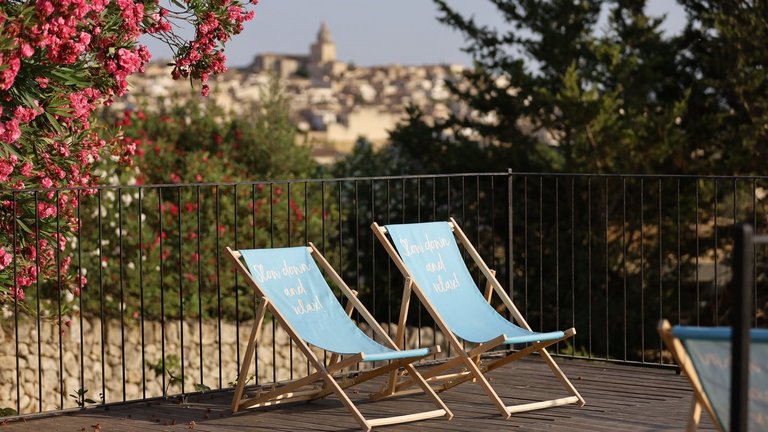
[6,168]
[10,132]
[25,115]
[26,50]
[5,258]
[26,169]
[18,293]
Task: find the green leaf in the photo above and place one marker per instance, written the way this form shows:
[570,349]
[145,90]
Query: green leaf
[202,388]
[4,412]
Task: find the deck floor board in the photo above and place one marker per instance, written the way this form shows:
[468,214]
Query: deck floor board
[619,397]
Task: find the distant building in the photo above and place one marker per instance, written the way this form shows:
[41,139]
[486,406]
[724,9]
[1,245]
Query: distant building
[319,65]
[331,103]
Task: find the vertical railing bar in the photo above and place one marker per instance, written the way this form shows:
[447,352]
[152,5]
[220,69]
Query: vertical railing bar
[402,220]
[141,295]
[199,287]
[162,287]
[341,228]
[492,198]
[642,270]
[373,250]
[418,218]
[510,247]
[79,283]
[573,262]
[181,290]
[322,217]
[37,291]
[389,264]
[463,221]
[698,291]
[255,300]
[122,289]
[477,222]
[434,217]
[557,256]
[661,267]
[58,299]
[290,234]
[101,297]
[272,244]
[717,293]
[217,217]
[306,240]
[525,243]
[541,254]
[357,234]
[589,264]
[236,288]
[624,255]
[607,280]
[306,215]
[754,250]
[16,302]
[322,241]
[679,256]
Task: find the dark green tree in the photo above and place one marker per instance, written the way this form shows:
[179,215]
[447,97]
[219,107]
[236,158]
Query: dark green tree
[724,61]
[551,91]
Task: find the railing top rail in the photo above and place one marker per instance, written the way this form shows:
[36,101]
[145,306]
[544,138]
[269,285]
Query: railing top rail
[383,178]
[256,182]
[653,176]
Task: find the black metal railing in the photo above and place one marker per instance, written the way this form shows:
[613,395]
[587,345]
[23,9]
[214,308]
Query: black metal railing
[140,301]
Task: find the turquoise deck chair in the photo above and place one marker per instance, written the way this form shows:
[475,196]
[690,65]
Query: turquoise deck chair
[429,258]
[289,284]
[704,354]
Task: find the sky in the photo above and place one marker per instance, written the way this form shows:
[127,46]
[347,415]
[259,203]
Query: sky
[371,32]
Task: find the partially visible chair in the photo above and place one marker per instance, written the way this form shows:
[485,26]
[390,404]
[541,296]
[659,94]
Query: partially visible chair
[429,258]
[704,355]
[290,285]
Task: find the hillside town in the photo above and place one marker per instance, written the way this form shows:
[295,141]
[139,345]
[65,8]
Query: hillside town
[333,103]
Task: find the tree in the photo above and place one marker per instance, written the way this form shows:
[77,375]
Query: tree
[724,61]
[550,92]
[183,229]
[59,60]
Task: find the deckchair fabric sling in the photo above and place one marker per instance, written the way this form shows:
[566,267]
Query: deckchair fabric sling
[291,286]
[436,264]
[430,259]
[297,288]
[704,354]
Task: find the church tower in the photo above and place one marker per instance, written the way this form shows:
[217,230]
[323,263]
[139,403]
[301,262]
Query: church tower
[322,54]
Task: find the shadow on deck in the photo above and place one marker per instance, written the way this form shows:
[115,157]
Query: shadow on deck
[625,398]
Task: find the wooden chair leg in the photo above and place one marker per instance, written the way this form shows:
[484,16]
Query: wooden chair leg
[694,417]
[242,376]
[400,335]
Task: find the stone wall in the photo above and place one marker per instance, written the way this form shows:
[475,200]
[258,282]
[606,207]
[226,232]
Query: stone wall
[38,356]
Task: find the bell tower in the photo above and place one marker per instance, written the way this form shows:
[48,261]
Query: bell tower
[322,53]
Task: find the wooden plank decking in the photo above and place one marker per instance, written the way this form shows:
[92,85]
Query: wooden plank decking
[619,398]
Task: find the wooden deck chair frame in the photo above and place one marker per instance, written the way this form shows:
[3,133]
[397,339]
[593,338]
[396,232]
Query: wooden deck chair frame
[700,400]
[471,360]
[305,389]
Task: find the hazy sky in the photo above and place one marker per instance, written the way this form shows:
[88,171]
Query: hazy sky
[370,32]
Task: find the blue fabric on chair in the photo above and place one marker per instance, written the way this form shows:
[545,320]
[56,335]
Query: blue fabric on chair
[709,349]
[430,252]
[296,287]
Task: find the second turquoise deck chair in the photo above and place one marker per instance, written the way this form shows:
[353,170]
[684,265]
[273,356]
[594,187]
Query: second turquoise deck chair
[704,355]
[430,259]
[290,285]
